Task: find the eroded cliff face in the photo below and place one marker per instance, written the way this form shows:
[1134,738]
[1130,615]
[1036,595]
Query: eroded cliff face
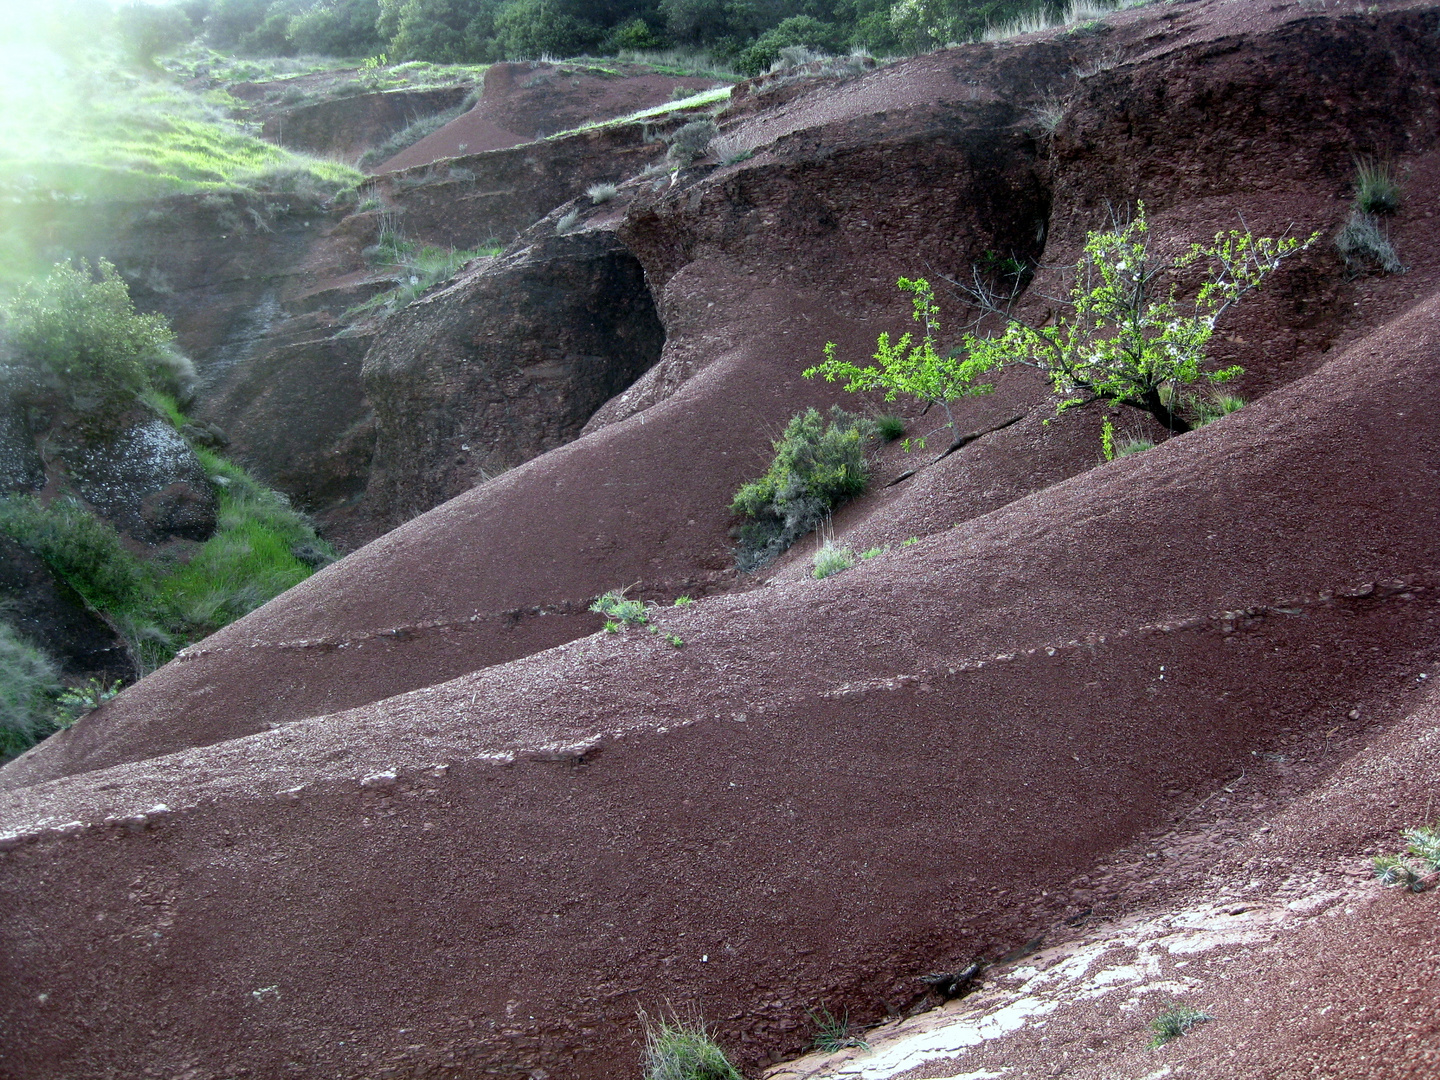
[506,363]
[828,788]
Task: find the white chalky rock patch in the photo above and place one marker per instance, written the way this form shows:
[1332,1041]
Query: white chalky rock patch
[1129,959]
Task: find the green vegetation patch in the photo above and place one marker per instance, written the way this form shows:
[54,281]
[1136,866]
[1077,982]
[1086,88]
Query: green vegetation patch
[99,132]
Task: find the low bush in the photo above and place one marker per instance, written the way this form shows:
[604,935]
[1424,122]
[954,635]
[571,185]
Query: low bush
[691,141]
[82,550]
[76,332]
[890,427]
[565,224]
[831,560]
[85,698]
[818,465]
[1363,245]
[29,682]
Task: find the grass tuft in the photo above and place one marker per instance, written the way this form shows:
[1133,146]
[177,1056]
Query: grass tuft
[1377,190]
[831,560]
[619,611]
[833,1031]
[679,1048]
[1363,245]
[890,427]
[601,193]
[29,681]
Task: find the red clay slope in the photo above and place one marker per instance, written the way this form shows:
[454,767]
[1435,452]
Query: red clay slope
[830,789]
[756,266]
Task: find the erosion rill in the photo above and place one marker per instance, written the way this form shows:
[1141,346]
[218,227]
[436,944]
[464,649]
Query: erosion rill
[415,818]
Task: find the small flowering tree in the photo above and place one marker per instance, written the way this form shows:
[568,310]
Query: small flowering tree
[1127,337]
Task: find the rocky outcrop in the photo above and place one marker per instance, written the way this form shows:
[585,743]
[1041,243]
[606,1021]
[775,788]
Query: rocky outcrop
[346,127]
[46,610]
[506,363]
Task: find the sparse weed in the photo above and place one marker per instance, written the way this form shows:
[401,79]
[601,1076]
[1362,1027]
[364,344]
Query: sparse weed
[831,560]
[1218,405]
[681,1048]
[910,542]
[1364,246]
[82,699]
[620,611]
[1048,114]
[683,601]
[691,141]
[833,1031]
[1421,858]
[29,682]
[872,553]
[1126,447]
[1175,1021]
[676,640]
[566,222]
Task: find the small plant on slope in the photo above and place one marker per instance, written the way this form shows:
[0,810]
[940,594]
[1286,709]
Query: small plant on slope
[833,1031]
[28,684]
[818,465]
[1363,245]
[1175,1021]
[1124,340]
[683,1049]
[1377,191]
[831,560]
[618,611]
[85,698]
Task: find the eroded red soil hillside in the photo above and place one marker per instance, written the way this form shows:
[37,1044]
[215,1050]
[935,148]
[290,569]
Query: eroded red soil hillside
[414,818]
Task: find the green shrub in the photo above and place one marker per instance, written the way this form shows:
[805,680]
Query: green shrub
[831,560]
[1363,245]
[682,1049]
[29,682]
[890,427]
[78,332]
[833,1032]
[1174,1022]
[818,465]
[1126,338]
[77,701]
